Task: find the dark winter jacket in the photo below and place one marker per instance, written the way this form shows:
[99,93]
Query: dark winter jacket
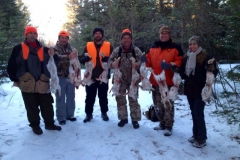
[31,73]
[194,84]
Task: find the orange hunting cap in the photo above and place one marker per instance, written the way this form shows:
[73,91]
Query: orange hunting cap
[30,29]
[63,33]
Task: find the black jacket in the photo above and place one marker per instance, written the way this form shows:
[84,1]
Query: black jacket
[194,84]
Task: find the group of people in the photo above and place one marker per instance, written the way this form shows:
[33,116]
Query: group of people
[27,69]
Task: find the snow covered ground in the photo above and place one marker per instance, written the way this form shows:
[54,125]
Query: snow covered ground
[100,140]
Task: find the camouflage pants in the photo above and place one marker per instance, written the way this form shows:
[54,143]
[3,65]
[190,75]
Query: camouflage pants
[165,111]
[135,110]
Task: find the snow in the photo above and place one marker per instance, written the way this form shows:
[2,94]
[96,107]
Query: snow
[100,140]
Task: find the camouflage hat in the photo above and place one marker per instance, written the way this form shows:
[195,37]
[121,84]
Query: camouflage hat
[164,28]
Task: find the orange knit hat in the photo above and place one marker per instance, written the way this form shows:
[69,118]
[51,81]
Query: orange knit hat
[30,29]
[126,32]
[63,33]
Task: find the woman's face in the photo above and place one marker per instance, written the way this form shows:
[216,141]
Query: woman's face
[193,46]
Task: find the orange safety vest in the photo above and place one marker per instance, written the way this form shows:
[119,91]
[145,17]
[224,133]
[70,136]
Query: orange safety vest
[25,51]
[92,51]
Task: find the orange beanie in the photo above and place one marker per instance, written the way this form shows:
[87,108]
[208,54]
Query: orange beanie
[30,29]
[126,32]
[63,33]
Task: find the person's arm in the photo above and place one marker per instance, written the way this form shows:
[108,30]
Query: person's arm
[112,58]
[82,58]
[12,64]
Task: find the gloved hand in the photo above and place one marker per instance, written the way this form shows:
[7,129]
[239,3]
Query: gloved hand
[87,59]
[51,51]
[73,55]
[210,67]
[175,69]
[105,59]
[144,58]
[165,66]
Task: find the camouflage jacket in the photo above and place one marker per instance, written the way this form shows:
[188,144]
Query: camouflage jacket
[125,63]
[62,62]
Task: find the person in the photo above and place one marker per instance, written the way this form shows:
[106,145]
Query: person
[27,69]
[126,51]
[165,55]
[95,50]
[193,71]
[65,102]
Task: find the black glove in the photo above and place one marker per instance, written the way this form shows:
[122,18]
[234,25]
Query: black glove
[165,65]
[175,69]
[210,67]
[104,59]
[144,58]
[87,59]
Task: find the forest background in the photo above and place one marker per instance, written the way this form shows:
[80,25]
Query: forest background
[215,21]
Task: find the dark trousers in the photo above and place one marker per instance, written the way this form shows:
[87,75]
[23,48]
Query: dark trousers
[197,111]
[91,92]
[34,103]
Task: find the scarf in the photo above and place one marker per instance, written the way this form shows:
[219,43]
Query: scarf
[191,61]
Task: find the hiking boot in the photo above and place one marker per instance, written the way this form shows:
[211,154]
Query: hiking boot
[37,130]
[192,139]
[87,118]
[135,124]
[168,132]
[159,127]
[63,122]
[199,143]
[105,117]
[53,127]
[72,119]
[122,122]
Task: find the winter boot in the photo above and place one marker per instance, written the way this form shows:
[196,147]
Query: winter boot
[159,127]
[135,124]
[87,118]
[37,130]
[63,122]
[168,131]
[105,117]
[122,122]
[192,139]
[53,127]
[199,143]
[72,119]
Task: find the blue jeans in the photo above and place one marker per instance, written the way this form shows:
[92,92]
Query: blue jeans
[65,104]
[197,111]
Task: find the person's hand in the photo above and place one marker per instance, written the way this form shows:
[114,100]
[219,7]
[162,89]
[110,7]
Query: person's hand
[165,66]
[87,58]
[133,62]
[175,68]
[104,58]
[115,63]
[74,54]
[210,67]
[51,51]
[144,58]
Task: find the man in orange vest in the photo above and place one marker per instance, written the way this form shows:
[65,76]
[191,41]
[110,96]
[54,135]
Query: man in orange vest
[27,69]
[95,51]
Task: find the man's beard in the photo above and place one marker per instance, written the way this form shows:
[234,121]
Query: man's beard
[98,39]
